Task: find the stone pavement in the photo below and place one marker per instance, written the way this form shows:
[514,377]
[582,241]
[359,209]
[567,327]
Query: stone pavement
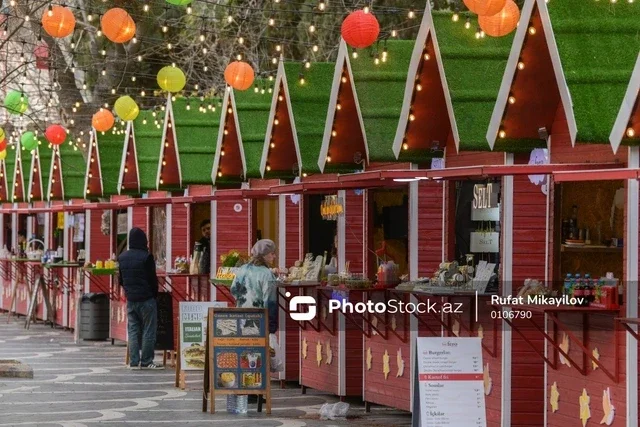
[84,384]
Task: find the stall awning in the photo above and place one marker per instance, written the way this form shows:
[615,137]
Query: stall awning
[101,206]
[596,175]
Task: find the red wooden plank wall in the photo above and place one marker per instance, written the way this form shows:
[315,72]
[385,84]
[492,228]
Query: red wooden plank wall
[141,218]
[529,241]
[233,229]
[293,231]
[355,241]
[569,381]
[180,237]
[100,246]
[430,232]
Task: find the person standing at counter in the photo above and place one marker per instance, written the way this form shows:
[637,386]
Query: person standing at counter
[254,285]
[137,274]
[205,244]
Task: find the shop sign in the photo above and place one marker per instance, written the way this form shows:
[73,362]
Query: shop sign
[193,332]
[539,156]
[482,242]
[332,208]
[485,206]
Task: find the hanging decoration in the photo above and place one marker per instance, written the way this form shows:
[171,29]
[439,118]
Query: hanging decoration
[596,355]
[585,410]
[554,399]
[400,362]
[360,29]
[385,364]
[29,141]
[369,358]
[486,378]
[103,120]
[503,22]
[179,2]
[485,7]
[16,102]
[117,25]
[3,154]
[3,145]
[55,134]
[239,75]
[126,108]
[608,408]
[564,346]
[329,353]
[171,79]
[319,353]
[305,347]
[58,21]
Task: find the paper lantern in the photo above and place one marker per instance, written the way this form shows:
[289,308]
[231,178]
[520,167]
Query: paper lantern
[55,134]
[126,108]
[3,154]
[179,2]
[16,102]
[501,23]
[485,7]
[117,25]
[171,79]
[1,134]
[58,21]
[360,29]
[103,120]
[29,141]
[239,75]
[3,145]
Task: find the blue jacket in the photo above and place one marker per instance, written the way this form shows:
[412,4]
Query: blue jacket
[254,287]
[138,269]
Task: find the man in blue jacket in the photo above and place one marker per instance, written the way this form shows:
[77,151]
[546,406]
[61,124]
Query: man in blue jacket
[138,277]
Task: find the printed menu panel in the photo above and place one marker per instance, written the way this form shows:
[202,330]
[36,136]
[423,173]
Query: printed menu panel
[450,382]
[193,333]
[240,343]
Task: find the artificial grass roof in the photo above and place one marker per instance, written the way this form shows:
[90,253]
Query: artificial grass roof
[110,150]
[25,161]
[74,169]
[385,81]
[309,105]
[252,110]
[197,135]
[598,43]
[148,140]
[474,70]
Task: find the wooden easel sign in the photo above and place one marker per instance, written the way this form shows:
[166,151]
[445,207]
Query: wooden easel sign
[237,355]
[193,335]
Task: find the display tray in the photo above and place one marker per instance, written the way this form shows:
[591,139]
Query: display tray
[101,271]
[62,265]
[222,282]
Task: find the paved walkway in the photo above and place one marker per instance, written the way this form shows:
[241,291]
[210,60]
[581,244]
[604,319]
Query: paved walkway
[84,384]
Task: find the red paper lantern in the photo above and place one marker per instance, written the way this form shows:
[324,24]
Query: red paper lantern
[117,25]
[3,144]
[501,23]
[239,75]
[103,120]
[485,7]
[360,29]
[58,21]
[55,134]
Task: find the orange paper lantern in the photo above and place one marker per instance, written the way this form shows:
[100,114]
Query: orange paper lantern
[485,7]
[501,23]
[239,75]
[103,120]
[360,29]
[3,144]
[117,25]
[58,21]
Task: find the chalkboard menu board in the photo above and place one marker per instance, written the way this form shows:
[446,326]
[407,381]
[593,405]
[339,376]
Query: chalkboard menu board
[164,335]
[238,355]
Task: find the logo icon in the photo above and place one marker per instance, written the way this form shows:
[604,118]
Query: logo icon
[309,301]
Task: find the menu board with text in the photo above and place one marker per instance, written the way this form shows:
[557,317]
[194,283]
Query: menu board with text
[449,380]
[193,333]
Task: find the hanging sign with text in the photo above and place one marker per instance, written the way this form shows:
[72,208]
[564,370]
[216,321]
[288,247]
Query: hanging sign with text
[485,205]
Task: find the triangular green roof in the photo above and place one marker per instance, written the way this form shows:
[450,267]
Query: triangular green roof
[253,115]
[74,169]
[598,43]
[110,150]
[309,104]
[197,134]
[148,140]
[380,91]
[473,69]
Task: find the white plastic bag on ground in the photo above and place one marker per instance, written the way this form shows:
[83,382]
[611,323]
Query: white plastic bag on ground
[334,411]
[277,364]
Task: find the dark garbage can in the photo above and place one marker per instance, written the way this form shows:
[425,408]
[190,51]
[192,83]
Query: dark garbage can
[94,317]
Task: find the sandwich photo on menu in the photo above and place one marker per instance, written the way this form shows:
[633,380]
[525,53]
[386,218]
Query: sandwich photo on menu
[194,356]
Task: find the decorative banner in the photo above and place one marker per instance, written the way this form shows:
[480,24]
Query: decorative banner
[555,397]
[437,163]
[193,333]
[332,208]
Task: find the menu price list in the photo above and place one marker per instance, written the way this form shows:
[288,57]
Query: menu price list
[451,382]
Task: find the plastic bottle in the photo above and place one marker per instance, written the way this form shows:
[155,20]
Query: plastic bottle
[587,289]
[237,404]
[567,285]
[578,291]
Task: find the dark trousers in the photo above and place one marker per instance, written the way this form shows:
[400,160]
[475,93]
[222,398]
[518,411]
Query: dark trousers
[142,320]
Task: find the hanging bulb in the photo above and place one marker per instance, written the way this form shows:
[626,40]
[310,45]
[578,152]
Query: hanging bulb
[104,71]
[427,57]
[99,33]
[344,79]
[189,10]
[502,134]
[338,106]
[532,30]
[139,58]
[312,28]
[418,87]
[204,50]
[354,55]
[274,60]
[89,17]
[631,133]
[520,65]
[455,17]
[165,28]
[512,100]
[143,93]
[202,37]
[394,33]
[467,24]
[322,6]
[145,8]
[272,22]
[412,14]
[273,145]
[241,40]
[278,48]
[315,48]
[229,19]
[307,65]
[50,11]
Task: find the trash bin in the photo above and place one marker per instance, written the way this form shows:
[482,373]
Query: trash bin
[94,317]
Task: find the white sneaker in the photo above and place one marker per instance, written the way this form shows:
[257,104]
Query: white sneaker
[152,366]
[133,367]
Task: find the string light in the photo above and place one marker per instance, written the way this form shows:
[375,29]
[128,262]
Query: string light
[338,106]
[631,133]
[520,65]
[532,30]
[322,6]
[467,24]
[272,22]
[312,28]
[412,14]
[412,117]
[315,48]
[354,55]
[334,133]
[455,17]
[512,100]
[394,33]
[418,87]
[405,146]
[427,57]
[502,134]
[145,8]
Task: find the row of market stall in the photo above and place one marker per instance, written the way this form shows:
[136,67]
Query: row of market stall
[521,151]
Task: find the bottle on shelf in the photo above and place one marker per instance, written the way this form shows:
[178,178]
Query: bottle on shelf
[588,289]
[567,284]
[578,291]
[573,233]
